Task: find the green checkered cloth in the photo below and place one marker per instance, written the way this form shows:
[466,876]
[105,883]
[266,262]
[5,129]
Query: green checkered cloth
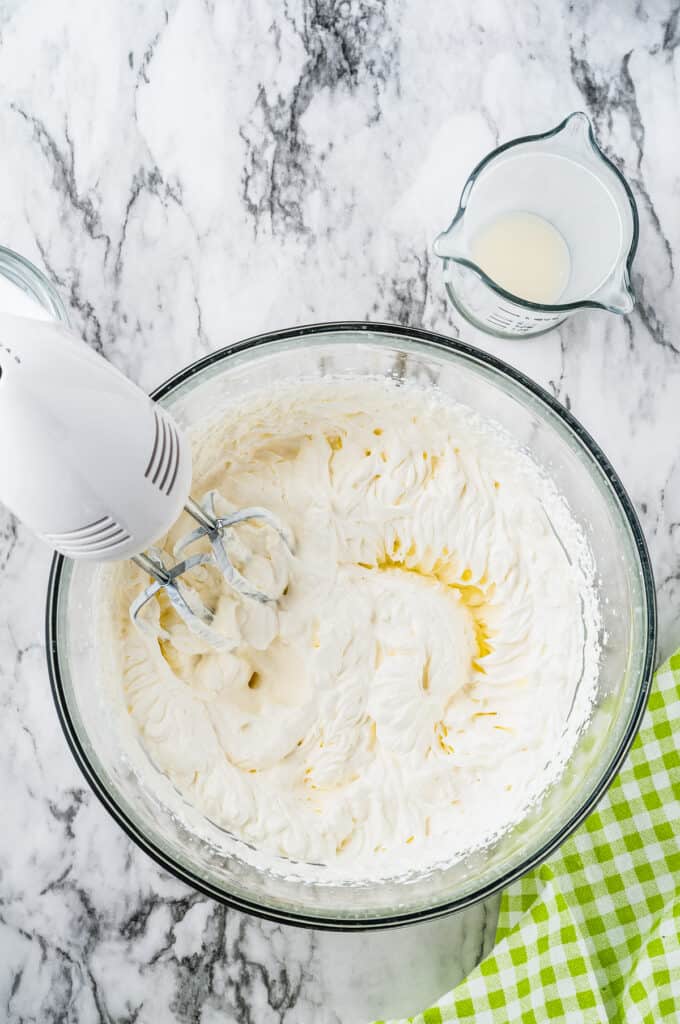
[592,936]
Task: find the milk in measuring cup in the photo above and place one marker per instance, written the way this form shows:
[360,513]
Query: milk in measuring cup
[525,255]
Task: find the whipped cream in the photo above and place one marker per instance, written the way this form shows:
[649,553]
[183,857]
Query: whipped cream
[432,655]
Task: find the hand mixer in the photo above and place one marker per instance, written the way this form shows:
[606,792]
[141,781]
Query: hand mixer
[100,472]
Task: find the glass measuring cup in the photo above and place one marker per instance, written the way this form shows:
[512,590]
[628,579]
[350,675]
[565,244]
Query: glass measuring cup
[564,178]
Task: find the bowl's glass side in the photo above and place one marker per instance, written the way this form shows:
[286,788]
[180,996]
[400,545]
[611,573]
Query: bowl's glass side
[31,280]
[169,829]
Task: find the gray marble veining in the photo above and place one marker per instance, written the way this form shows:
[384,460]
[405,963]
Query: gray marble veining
[196,172]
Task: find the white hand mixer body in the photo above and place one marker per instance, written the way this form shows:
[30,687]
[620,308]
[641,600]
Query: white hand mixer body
[98,470]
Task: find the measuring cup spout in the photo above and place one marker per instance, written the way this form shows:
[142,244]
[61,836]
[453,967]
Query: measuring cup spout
[576,134]
[450,244]
[616,295]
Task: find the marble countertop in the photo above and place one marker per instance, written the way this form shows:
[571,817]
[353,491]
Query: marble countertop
[192,173]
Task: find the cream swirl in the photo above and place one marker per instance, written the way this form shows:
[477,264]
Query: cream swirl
[408,698]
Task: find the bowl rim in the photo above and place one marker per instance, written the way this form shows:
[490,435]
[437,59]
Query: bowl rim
[330,923]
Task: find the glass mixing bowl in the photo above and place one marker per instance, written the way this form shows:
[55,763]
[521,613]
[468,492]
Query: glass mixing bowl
[156,816]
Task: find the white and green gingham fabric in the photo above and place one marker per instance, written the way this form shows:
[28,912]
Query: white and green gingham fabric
[592,936]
